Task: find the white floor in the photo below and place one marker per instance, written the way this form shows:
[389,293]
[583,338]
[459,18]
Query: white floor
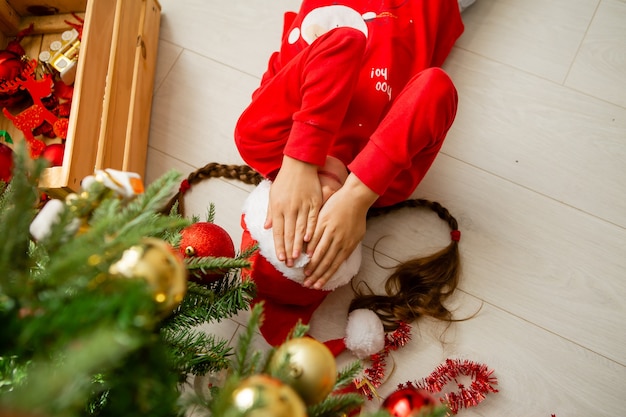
[534,168]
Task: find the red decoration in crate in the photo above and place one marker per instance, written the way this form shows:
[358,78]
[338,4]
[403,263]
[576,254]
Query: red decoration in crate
[54,153]
[11,67]
[32,117]
[6,163]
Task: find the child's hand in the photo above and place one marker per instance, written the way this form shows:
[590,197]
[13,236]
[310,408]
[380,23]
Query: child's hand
[295,201]
[340,228]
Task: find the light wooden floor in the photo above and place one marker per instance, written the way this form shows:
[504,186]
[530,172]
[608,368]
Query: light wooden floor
[534,168]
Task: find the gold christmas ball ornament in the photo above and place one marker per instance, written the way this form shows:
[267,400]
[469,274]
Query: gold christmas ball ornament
[306,365]
[157,262]
[264,396]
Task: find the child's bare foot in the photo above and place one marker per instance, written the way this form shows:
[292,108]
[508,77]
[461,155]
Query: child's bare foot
[332,176]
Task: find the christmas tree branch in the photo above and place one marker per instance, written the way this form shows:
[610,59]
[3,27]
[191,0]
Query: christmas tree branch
[243,364]
[208,304]
[195,352]
[18,209]
[202,265]
[335,405]
[346,376]
[67,388]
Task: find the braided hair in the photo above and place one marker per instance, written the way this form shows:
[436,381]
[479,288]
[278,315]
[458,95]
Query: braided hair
[416,288]
[419,286]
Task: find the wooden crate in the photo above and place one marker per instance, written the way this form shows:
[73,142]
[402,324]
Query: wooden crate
[111,105]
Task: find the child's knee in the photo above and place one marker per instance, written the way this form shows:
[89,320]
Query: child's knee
[438,80]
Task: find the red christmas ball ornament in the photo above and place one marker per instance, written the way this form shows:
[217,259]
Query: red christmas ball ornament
[6,162]
[408,402]
[204,239]
[11,66]
[54,153]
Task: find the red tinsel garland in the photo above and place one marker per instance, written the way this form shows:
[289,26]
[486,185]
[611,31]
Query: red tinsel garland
[375,374]
[449,373]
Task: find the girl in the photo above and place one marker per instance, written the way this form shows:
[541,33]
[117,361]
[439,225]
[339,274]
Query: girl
[350,115]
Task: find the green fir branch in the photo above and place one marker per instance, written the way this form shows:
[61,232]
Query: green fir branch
[203,265]
[18,210]
[13,372]
[59,318]
[80,340]
[244,364]
[62,388]
[336,406]
[346,376]
[156,194]
[112,229]
[299,330]
[210,216]
[195,352]
[209,304]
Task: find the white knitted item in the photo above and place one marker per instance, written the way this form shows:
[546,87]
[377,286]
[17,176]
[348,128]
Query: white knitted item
[365,334]
[255,212]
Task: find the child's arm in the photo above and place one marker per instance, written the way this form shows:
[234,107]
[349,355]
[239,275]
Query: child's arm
[340,228]
[295,202]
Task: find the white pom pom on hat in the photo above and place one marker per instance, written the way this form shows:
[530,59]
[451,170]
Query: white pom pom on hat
[365,334]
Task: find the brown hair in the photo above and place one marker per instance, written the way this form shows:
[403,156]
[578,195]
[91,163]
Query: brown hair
[417,287]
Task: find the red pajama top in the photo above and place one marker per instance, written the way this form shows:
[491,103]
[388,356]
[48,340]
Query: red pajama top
[403,37]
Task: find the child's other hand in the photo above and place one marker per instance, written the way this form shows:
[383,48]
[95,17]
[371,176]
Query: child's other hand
[340,228]
[295,201]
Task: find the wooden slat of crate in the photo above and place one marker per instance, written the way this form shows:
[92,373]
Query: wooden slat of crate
[115,116]
[82,145]
[141,96]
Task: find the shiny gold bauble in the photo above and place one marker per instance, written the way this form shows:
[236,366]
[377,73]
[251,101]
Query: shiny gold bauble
[264,396]
[155,261]
[306,365]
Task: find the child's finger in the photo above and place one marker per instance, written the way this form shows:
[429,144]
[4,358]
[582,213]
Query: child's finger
[279,242]
[310,225]
[321,258]
[288,237]
[268,217]
[300,231]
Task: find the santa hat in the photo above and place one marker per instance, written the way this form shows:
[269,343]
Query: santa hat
[280,288]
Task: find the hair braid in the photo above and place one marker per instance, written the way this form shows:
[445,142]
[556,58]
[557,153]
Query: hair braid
[241,173]
[419,286]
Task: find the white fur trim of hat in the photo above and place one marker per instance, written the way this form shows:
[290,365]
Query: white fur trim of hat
[255,212]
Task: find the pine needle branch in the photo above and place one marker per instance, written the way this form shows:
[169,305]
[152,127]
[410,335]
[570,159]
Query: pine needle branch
[336,405]
[18,203]
[195,352]
[347,375]
[207,304]
[67,387]
[212,263]
[210,216]
[243,364]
